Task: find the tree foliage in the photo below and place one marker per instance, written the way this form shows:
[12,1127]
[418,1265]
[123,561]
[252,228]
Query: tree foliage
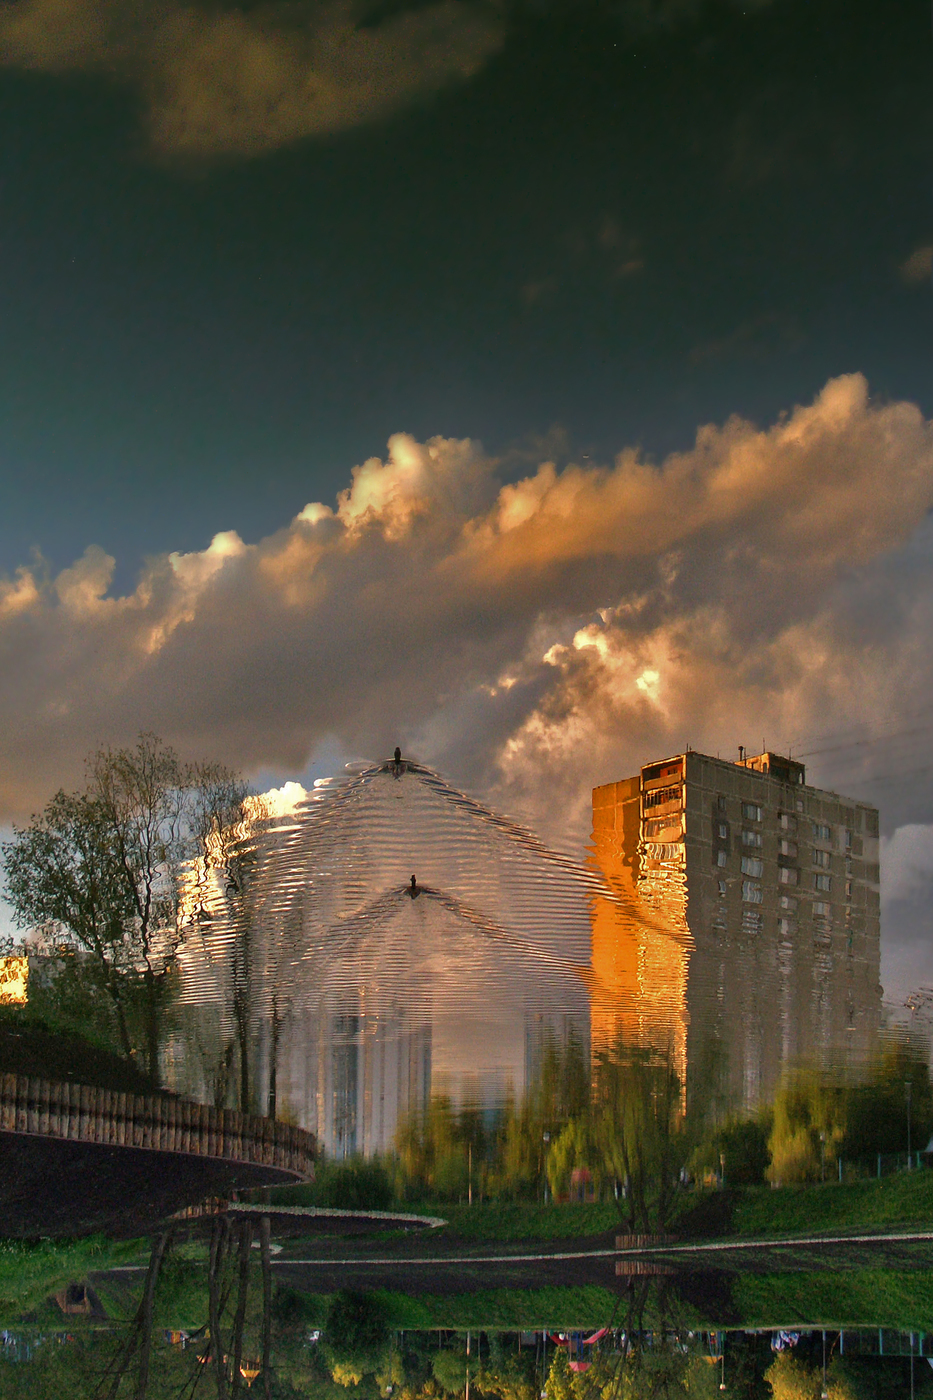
[104,870]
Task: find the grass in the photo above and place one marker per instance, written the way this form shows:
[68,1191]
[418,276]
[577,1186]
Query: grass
[504,1309]
[896,1201]
[30,1046]
[511,1222]
[30,1273]
[901,1201]
[862,1297]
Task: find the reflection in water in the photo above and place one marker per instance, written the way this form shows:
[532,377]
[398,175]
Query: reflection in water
[324,979]
[741,930]
[728,921]
[231,1310]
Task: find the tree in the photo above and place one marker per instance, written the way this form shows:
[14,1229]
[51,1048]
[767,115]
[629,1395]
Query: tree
[793,1379]
[807,1129]
[63,875]
[108,867]
[638,1131]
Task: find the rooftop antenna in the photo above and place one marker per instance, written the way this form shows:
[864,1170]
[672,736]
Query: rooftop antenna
[741,753]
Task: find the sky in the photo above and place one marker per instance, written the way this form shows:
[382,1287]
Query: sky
[542,386]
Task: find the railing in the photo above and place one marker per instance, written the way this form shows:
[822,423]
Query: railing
[81,1113]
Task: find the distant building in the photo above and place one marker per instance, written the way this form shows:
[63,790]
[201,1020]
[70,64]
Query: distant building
[742,924]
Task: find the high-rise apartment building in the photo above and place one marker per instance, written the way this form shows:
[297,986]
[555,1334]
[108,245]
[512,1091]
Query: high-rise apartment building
[742,927]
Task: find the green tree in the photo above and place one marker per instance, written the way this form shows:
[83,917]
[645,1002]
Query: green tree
[639,1132]
[449,1367]
[356,1335]
[738,1148]
[807,1130]
[876,1111]
[791,1378]
[107,870]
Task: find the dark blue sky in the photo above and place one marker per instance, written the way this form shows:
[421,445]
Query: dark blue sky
[617,228]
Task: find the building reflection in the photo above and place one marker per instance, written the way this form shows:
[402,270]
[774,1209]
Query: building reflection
[346,996]
[739,927]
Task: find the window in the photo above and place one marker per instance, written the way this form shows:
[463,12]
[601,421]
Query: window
[787,875]
[722,889]
[799,804]
[848,839]
[821,858]
[721,803]
[751,865]
[659,795]
[723,831]
[751,892]
[787,821]
[750,812]
[787,927]
[848,889]
[751,838]
[820,908]
[823,882]
[721,857]
[787,901]
[822,832]
[787,848]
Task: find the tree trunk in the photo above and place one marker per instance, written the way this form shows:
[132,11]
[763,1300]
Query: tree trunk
[214,1277]
[152,1024]
[266,1254]
[274,1059]
[146,1311]
[246,1242]
[125,1042]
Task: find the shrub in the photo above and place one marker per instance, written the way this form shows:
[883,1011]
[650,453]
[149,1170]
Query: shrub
[354,1184]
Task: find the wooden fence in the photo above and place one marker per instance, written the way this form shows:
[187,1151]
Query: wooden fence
[80,1113]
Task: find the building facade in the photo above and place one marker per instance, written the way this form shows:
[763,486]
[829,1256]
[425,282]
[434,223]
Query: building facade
[740,929]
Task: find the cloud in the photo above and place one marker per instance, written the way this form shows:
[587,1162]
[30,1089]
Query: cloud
[907,858]
[237,82]
[918,268]
[530,637]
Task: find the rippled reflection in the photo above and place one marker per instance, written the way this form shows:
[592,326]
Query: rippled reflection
[389,941]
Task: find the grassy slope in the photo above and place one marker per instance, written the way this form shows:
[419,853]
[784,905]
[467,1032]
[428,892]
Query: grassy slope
[29,1273]
[895,1201]
[866,1297]
[30,1047]
[511,1222]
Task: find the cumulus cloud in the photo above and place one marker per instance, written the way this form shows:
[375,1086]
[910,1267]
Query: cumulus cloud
[223,81]
[531,637]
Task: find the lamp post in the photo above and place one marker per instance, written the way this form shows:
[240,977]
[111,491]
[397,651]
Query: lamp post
[908,1085]
[824,1394]
[545,1138]
[822,1156]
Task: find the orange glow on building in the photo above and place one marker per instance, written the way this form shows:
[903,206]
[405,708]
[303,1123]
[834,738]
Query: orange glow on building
[739,929]
[14,981]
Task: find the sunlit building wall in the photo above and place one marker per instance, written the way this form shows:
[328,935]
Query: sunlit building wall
[14,981]
[741,925]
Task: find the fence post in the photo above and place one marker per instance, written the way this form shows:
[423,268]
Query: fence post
[879,1166]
